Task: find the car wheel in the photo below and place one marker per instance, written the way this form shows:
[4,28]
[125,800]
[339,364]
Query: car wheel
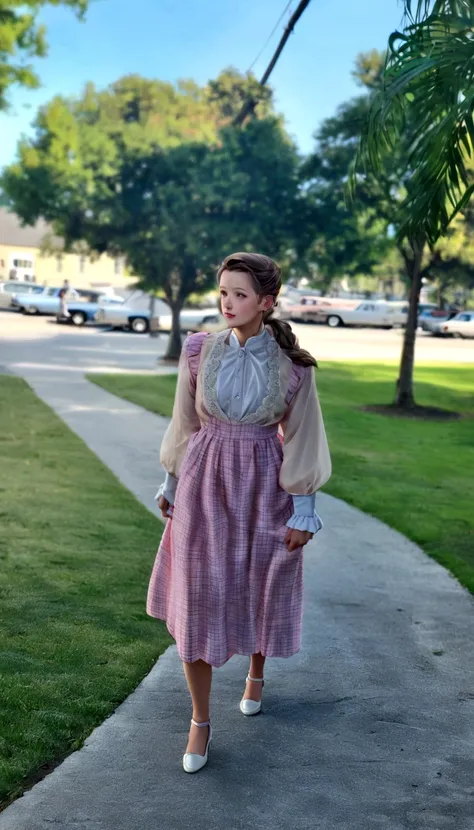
[78,318]
[387,328]
[334,321]
[31,309]
[139,325]
[457,335]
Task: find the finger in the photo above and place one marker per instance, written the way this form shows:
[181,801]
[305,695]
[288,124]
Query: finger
[288,535]
[294,542]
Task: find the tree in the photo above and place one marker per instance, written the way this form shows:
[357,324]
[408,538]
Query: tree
[147,170]
[429,82]
[22,38]
[371,223]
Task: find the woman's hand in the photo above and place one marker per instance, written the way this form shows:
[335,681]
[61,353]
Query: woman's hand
[297,538]
[164,506]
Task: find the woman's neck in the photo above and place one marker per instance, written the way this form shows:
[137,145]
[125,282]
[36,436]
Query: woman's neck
[244,333]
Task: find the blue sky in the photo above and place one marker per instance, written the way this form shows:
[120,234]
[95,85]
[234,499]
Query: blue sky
[171,39]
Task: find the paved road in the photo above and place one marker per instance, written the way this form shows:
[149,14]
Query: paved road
[94,349]
[371,725]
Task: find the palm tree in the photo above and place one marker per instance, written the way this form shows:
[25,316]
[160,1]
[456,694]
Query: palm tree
[429,77]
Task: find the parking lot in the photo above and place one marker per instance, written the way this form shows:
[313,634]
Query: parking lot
[39,344]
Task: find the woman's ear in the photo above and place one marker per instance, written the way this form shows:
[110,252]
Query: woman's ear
[268,303]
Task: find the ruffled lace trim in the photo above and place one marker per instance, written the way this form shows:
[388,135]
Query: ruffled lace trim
[312,523]
[209,378]
[265,411]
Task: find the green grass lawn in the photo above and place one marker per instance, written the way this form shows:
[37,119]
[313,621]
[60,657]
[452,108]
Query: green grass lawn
[76,552]
[417,476]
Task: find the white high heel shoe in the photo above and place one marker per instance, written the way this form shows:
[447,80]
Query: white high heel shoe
[252,707]
[193,762]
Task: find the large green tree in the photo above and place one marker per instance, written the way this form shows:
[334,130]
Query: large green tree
[372,221]
[22,38]
[428,82]
[159,174]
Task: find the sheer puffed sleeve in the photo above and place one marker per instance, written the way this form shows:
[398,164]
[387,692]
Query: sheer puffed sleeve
[184,420]
[306,462]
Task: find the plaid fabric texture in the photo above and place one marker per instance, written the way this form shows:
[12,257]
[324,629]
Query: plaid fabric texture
[223,580]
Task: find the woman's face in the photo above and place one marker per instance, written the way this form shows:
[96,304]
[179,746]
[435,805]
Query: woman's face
[240,303]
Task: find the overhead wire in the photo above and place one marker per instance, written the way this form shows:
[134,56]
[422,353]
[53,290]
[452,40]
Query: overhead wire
[285,10]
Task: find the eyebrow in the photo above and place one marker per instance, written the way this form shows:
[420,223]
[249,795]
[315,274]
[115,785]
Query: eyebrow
[236,288]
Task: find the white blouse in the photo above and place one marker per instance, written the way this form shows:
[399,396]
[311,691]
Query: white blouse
[242,384]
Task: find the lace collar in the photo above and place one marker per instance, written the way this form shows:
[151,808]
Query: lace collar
[211,368]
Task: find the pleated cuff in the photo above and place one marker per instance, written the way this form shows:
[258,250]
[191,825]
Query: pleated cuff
[310,523]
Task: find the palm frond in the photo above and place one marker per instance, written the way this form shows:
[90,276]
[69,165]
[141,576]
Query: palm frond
[419,10]
[428,96]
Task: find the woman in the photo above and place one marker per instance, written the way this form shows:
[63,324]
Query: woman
[228,575]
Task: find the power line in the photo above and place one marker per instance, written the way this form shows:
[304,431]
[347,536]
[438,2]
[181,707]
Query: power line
[270,35]
[249,106]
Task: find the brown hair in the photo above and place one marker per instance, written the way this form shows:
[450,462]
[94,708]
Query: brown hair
[266,278]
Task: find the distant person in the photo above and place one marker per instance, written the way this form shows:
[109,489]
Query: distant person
[245,453]
[64,294]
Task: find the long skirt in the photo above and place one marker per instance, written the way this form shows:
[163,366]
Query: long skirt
[223,579]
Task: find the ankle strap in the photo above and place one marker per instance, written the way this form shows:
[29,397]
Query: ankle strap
[206,723]
[255,679]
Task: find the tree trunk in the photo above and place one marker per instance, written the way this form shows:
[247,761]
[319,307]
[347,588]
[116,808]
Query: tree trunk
[173,349]
[153,331]
[404,394]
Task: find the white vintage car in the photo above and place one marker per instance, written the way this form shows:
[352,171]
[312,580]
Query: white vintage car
[369,313]
[138,319]
[462,325]
[9,288]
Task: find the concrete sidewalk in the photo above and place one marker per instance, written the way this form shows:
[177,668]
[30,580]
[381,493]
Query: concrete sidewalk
[371,725]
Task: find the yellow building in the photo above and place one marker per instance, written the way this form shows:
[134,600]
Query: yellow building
[21,258]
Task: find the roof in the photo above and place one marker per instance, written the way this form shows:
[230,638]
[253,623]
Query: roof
[13,233]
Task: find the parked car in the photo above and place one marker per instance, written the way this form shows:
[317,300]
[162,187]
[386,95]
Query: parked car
[138,320]
[430,320]
[82,304]
[461,325]
[191,319]
[374,314]
[45,301]
[85,308]
[311,309]
[11,287]
[426,307]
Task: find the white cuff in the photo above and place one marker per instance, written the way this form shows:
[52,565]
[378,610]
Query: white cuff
[168,489]
[304,516]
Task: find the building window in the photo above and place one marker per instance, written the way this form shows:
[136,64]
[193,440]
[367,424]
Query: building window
[22,263]
[82,264]
[59,263]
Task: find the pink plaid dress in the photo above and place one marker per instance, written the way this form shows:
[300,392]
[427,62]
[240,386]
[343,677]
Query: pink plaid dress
[223,579]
